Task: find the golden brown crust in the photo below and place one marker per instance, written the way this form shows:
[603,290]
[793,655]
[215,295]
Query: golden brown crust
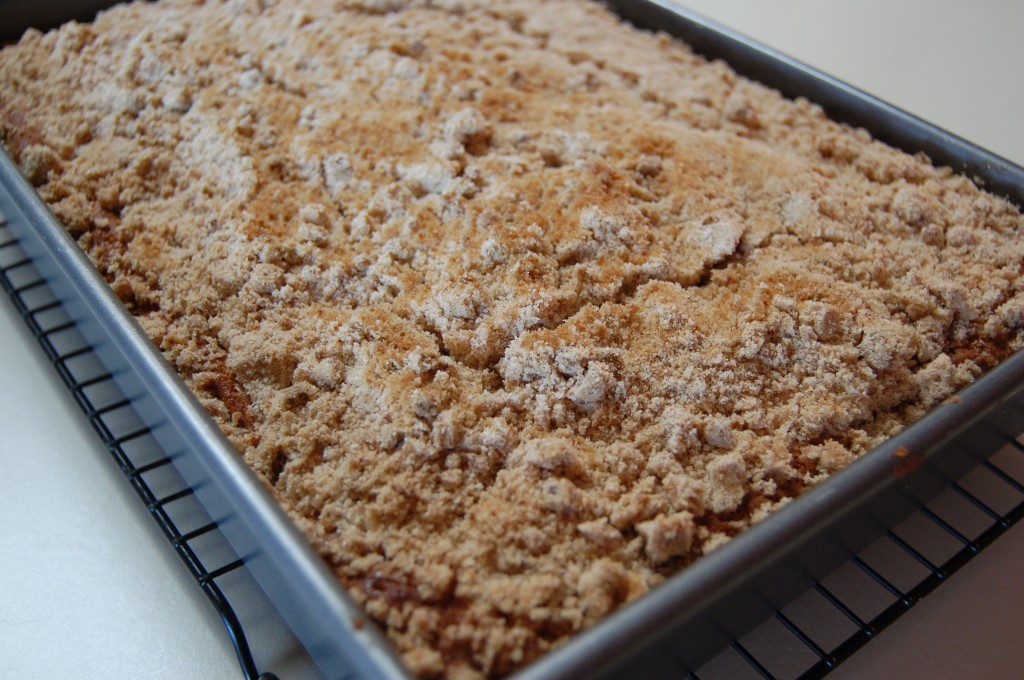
[517,310]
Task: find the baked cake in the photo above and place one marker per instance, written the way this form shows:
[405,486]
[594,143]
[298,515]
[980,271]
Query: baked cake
[516,309]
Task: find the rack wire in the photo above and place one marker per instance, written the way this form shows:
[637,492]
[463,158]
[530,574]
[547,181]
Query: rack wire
[835,617]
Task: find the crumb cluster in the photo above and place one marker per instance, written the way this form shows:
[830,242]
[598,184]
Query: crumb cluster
[516,309]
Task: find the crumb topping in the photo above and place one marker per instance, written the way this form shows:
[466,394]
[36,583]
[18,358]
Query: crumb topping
[517,310]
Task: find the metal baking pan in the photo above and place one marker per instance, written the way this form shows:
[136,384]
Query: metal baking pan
[719,598]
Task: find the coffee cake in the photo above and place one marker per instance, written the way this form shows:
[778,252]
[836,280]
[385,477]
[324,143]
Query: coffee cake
[517,310]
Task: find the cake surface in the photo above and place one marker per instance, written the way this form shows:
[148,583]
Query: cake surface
[517,310]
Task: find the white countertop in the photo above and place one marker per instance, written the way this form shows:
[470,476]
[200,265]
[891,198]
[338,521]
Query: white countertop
[89,588]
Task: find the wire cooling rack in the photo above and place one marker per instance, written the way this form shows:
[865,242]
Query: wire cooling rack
[804,640]
[146,467]
[841,613]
